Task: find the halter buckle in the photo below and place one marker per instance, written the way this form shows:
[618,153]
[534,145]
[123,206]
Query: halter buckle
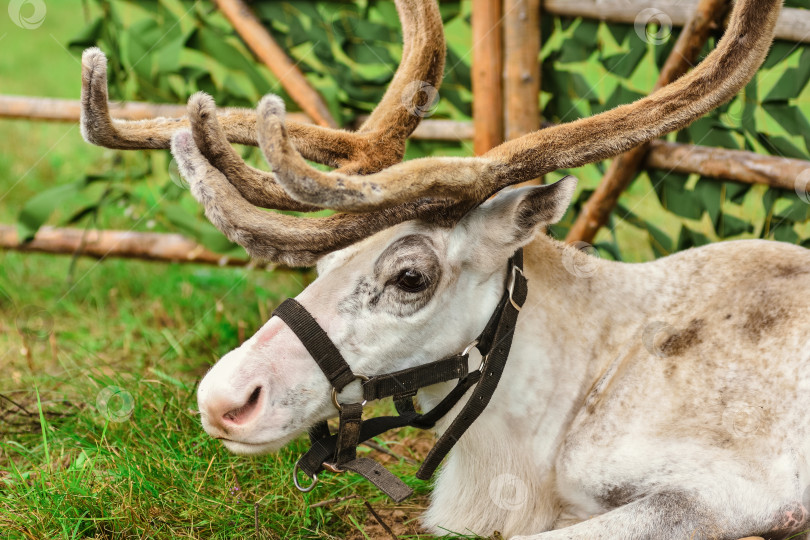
[335,401]
[331,467]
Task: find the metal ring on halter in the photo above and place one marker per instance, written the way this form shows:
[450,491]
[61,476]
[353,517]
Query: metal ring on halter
[303,489]
[512,285]
[335,393]
[483,363]
[469,347]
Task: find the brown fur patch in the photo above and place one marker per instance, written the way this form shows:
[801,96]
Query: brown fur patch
[789,271]
[678,343]
[617,496]
[761,319]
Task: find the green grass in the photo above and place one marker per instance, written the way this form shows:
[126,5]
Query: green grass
[71,330]
[150,331]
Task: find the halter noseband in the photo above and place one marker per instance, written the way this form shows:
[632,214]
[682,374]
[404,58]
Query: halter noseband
[338,452]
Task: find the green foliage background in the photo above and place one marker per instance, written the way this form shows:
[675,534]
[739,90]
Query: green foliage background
[165,50]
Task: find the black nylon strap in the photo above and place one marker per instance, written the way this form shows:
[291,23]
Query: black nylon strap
[348,433]
[316,342]
[491,372]
[380,477]
[410,380]
[319,431]
[429,419]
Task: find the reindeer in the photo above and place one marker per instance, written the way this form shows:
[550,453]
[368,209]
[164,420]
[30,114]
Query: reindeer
[656,400]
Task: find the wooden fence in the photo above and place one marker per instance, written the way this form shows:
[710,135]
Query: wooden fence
[506,82]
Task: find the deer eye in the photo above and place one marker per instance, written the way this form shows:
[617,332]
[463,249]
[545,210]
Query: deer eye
[412,281]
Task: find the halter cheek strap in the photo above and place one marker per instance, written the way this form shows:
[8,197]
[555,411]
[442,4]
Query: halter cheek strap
[338,452]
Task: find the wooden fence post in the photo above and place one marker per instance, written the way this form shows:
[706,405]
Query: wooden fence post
[521,81]
[487,74]
[521,78]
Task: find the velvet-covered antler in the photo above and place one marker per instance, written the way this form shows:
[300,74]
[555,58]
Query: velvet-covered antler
[380,141]
[715,81]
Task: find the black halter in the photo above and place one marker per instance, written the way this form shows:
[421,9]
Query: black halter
[338,452]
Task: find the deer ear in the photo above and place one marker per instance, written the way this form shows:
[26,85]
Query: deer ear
[513,217]
[544,205]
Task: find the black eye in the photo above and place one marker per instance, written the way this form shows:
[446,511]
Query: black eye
[412,281]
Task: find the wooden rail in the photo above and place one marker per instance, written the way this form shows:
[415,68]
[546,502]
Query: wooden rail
[712,162]
[68,110]
[736,165]
[793,24]
[102,244]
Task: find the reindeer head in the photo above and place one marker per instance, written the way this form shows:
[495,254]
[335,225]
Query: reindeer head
[408,295]
[413,272]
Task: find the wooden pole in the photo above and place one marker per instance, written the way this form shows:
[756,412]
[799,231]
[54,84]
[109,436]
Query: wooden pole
[521,81]
[69,110]
[793,23]
[101,244]
[596,212]
[487,68]
[521,78]
[735,165]
[273,56]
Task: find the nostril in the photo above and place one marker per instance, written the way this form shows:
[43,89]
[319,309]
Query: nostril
[241,414]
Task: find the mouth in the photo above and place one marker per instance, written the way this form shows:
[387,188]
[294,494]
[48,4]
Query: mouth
[245,448]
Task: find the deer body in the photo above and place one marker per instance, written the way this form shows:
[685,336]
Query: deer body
[658,400]
[589,418]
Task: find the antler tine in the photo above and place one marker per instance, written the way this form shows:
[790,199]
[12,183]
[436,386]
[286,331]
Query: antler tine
[721,75]
[339,190]
[100,129]
[286,239]
[256,187]
[419,74]
[323,145]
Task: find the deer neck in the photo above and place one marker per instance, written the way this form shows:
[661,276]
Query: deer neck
[579,314]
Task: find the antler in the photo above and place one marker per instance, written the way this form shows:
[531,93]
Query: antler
[715,81]
[379,143]
[380,140]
